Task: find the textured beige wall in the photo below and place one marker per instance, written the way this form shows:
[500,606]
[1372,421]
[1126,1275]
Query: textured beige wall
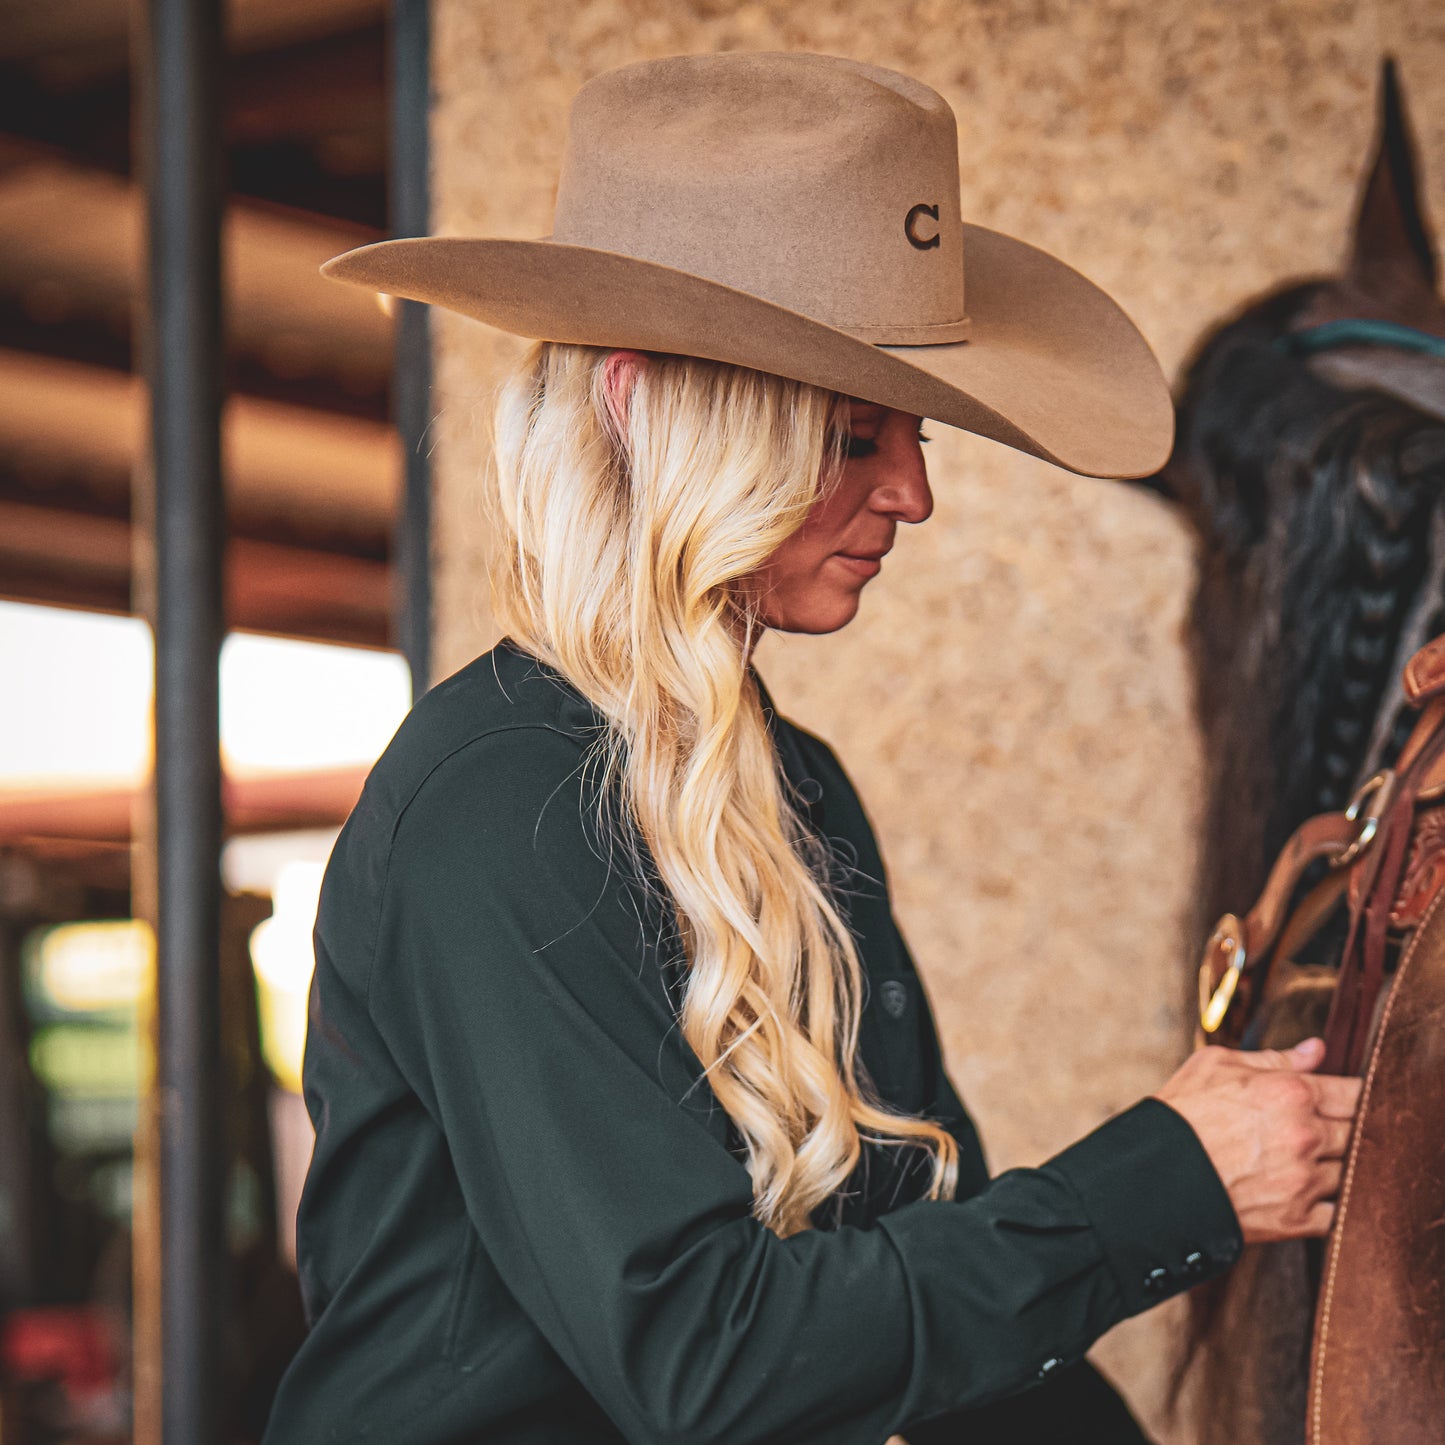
[1012,700]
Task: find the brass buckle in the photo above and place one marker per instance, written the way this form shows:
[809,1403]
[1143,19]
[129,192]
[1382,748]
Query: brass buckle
[1220,971]
[1379,787]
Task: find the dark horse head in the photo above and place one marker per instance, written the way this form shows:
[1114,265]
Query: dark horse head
[1310,462]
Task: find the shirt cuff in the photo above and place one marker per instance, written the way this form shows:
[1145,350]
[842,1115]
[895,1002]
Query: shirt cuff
[1156,1202]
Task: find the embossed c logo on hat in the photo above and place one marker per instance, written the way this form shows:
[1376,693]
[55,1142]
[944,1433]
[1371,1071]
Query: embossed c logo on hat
[923,243]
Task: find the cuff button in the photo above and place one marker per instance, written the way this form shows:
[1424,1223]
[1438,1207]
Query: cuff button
[1156,1281]
[1196,1264]
[1049,1366]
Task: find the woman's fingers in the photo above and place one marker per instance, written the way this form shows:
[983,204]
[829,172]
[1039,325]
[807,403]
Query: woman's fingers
[1303,1057]
[1335,1097]
[1329,1175]
[1306,1055]
[1275,1130]
[1335,1138]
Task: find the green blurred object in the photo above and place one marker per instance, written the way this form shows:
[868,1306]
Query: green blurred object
[82,985]
[88,1059]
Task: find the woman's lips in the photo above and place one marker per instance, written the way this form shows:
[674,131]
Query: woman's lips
[862,566]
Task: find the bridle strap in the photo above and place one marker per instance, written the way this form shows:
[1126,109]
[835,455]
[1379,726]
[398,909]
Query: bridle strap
[1362,966]
[1239,953]
[1359,331]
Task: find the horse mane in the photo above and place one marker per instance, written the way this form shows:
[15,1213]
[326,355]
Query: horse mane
[1318,513]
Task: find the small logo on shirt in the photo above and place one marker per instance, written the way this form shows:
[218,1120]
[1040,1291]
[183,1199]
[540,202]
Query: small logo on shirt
[893,997]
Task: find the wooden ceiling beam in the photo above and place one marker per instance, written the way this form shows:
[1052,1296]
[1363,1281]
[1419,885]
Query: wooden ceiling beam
[69,273]
[107,343]
[285,466]
[73,559]
[304,127]
[45,822]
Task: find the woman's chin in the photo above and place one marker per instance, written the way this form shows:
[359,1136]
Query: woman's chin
[820,616]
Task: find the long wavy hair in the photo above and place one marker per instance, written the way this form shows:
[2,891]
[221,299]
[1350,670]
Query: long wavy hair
[622,549]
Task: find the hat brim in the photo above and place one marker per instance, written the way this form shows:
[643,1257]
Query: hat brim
[1052,366]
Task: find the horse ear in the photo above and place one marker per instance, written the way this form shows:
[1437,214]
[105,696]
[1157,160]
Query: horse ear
[1392,241]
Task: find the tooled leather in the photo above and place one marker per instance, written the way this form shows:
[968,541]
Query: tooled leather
[1377,1370]
[1424,870]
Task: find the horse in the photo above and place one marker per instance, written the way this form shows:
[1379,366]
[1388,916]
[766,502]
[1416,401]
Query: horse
[1309,463]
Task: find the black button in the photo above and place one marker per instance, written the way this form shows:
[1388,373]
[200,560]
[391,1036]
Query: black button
[893,997]
[1196,1265]
[810,790]
[1156,1281]
[1048,1367]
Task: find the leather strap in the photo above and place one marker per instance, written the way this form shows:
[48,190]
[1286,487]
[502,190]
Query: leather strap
[1362,970]
[1371,877]
[1425,671]
[1421,735]
[1432,784]
[1376,881]
[1316,906]
[1315,838]
[1243,947]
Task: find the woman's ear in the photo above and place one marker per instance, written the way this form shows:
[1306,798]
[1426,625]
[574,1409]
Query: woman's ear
[619,374]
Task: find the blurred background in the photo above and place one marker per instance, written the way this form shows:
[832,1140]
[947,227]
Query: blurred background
[1023,665]
[310,686]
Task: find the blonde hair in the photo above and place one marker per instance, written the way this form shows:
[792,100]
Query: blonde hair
[621,549]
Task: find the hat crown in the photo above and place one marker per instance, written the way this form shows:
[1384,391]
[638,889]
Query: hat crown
[822,184]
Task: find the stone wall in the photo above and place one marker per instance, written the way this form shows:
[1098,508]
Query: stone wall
[1012,700]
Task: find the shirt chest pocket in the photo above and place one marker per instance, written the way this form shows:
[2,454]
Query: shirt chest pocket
[890,1040]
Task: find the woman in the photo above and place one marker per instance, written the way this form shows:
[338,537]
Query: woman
[631,1118]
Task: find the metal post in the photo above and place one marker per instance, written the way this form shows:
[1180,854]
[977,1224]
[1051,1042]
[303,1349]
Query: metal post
[182,162]
[410,207]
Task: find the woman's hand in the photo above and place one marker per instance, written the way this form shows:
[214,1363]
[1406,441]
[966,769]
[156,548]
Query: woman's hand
[1276,1133]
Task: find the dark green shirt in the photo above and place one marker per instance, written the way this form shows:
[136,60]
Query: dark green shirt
[527,1218]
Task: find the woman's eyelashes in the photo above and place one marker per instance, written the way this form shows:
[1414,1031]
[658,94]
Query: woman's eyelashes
[859,447]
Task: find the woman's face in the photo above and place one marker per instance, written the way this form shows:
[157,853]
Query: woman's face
[813,582]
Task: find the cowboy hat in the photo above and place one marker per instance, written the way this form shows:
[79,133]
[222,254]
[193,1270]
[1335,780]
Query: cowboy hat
[799,214]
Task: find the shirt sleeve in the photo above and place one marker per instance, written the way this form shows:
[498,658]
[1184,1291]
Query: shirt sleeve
[1075,1401]
[1078,1404]
[514,981]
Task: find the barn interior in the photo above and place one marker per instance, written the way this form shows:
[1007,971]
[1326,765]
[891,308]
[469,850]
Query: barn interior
[312,682]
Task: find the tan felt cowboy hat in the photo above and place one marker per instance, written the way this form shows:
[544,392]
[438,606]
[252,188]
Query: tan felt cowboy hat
[799,214]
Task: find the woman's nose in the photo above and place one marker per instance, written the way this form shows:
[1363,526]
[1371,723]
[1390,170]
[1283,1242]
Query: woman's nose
[904,493]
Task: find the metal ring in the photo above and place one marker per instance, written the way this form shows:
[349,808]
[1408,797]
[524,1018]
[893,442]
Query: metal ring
[1214,999]
[1378,786]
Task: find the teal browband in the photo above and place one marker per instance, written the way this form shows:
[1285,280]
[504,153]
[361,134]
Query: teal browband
[1333,334]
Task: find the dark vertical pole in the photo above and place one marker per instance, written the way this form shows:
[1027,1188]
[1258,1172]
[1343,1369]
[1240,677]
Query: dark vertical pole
[183,166]
[410,193]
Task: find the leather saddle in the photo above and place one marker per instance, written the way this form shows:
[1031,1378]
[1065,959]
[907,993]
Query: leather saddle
[1373,875]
